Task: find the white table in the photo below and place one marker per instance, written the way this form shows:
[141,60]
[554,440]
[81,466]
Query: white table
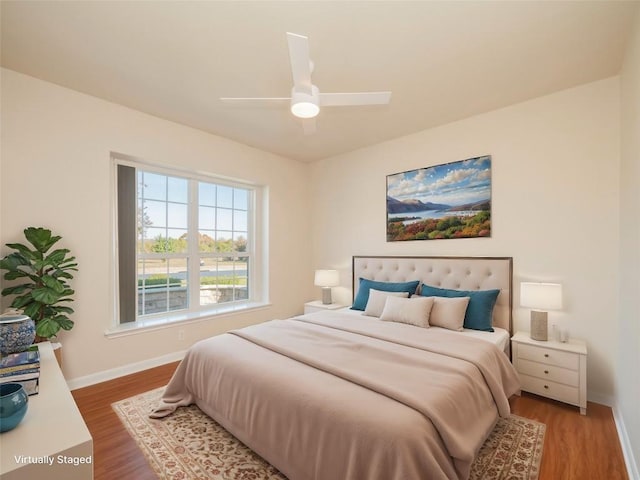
[318,306]
[51,430]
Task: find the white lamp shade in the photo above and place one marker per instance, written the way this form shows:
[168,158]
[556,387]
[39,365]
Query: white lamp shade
[327,278]
[305,109]
[304,105]
[542,296]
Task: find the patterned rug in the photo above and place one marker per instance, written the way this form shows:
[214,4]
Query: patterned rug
[188,445]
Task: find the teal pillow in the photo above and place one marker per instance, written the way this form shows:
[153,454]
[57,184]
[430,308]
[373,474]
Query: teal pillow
[479,314]
[365,285]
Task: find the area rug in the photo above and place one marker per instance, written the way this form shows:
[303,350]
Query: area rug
[188,445]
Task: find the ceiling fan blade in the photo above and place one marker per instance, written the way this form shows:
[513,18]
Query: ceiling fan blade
[359,98]
[256,100]
[300,62]
[309,126]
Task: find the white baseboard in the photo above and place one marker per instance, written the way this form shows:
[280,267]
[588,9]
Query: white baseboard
[625,443]
[623,437]
[110,374]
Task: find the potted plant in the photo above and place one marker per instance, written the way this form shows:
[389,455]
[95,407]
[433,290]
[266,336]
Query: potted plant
[44,294]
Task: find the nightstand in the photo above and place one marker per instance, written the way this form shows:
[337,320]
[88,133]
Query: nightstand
[552,369]
[318,306]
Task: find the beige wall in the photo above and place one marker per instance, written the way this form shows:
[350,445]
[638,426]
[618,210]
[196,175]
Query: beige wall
[555,188]
[56,173]
[627,376]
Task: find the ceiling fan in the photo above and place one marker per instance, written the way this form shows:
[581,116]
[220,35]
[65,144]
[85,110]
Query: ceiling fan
[306,99]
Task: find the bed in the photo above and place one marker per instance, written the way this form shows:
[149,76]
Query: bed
[460,273]
[342,395]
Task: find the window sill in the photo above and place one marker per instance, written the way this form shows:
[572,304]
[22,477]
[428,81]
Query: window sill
[152,324]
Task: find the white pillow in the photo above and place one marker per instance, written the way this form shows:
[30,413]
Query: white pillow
[448,312]
[376,301]
[414,310]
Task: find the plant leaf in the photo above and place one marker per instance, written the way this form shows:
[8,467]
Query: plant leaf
[25,251]
[12,261]
[61,274]
[53,283]
[56,257]
[60,308]
[64,322]
[32,310]
[40,238]
[16,289]
[47,328]
[22,301]
[45,295]
[13,275]
[71,266]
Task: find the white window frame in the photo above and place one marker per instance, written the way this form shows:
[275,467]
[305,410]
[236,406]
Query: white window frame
[257,277]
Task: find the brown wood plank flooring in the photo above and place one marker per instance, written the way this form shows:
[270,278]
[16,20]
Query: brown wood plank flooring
[576,446]
[115,453]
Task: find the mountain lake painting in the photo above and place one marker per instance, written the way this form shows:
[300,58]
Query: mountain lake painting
[444,201]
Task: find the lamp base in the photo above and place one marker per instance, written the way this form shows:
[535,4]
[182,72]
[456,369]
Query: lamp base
[326,296]
[539,326]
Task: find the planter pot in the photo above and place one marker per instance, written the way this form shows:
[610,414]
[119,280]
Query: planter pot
[13,405]
[17,333]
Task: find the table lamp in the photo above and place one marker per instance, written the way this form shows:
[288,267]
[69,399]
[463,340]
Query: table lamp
[327,279]
[540,297]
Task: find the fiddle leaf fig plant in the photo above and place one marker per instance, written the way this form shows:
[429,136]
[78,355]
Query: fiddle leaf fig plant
[44,293]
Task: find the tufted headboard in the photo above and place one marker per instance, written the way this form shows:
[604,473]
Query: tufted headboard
[460,273]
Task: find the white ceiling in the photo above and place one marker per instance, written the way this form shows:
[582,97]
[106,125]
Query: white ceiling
[443,60]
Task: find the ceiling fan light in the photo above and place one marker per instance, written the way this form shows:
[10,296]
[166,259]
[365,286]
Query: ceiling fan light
[304,105]
[305,109]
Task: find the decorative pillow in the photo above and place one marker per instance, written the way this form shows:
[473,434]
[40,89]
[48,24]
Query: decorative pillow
[479,314]
[377,299]
[448,312]
[414,311]
[365,285]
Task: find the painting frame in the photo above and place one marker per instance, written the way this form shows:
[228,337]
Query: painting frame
[446,201]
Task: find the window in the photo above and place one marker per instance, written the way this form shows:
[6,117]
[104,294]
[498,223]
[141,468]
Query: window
[187,244]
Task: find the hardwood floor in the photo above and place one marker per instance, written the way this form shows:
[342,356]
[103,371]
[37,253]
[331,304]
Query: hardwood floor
[576,446]
[115,453]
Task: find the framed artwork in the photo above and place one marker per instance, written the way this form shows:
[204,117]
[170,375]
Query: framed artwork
[452,200]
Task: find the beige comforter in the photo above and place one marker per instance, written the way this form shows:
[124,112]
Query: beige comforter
[329,396]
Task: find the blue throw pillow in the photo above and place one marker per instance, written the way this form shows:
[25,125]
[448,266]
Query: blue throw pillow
[365,285]
[479,314]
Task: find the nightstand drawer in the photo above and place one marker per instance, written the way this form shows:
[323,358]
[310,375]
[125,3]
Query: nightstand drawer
[549,356]
[557,391]
[550,373]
